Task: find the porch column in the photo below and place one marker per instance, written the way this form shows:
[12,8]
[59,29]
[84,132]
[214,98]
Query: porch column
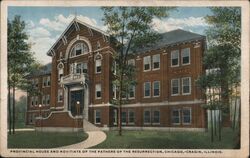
[86,102]
[66,91]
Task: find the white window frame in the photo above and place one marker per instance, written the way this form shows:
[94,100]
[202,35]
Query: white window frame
[96,117]
[145,59]
[114,89]
[133,87]
[154,89]
[48,81]
[131,123]
[98,63]
[144,89]
[82,45]
[179,111]
[156,123]
[44,100]
[147,123]
[47,96]
[96,89]
[153,61]
[115,116]
[58,95]
[172,87]
[190,109]
[182,52]
[172,52]
[190,85]
[124,123]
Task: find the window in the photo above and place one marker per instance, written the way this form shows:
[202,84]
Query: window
[131,117]
[36,100]
[124,117]
[97,116]
[115,116]
[176,116]
[48,99]
[131,62]
[98,93]
[147,63]
[32,101]
[44,100]
[186,115]
[185,54]
[36,82]
[98,64]
[147,118]
[60,95]
[48,81]
[147,89]
[81,68]
[186,85]
[131,91]
[98,45]
[44,81]
[175,86]
[78,49]
[156,88]
[156,61]
[156,116]
[114,91]
[175,58]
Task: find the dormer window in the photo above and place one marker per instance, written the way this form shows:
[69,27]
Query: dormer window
[78,49]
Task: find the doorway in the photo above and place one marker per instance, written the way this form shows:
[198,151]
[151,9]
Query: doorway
[75,96]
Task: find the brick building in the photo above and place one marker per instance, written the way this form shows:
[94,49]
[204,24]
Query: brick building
[77,85]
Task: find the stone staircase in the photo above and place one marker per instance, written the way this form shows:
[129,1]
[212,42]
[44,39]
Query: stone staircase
[87,126]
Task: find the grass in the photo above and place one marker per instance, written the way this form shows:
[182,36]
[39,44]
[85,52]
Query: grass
[32,139]
[168,140]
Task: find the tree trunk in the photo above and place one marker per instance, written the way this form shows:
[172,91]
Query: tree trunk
[219,125]
[120,104]
[9,108]
[235,108]
[212,124]
[13,115]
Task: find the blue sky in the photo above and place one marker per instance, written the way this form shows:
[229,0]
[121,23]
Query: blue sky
[45,24]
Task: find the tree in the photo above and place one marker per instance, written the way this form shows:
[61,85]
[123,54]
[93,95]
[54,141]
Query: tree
[130,29]
[223,55]
[20,63]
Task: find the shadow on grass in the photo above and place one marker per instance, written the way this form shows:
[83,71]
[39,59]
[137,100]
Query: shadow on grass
[168,140]
[33,139]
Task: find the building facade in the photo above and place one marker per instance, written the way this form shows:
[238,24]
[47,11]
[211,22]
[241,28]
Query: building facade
[79,84]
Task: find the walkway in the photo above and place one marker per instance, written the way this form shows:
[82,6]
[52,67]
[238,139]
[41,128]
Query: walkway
[95,137]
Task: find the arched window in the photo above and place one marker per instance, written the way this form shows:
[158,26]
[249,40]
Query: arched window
[78,49]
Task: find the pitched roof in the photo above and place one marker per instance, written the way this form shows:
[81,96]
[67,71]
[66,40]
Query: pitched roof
[70,24]
[173,37]
[44,70]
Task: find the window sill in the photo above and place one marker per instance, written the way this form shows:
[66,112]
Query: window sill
[147,70]
[132,123]
[186,93]
[98,123]
[185,64]
[146,123]
[155,123]
[156,96]
[147,97]
[176,124]
[155,69]
[187,124]
[131,98]
[98,98]
[175,65]
[175,95]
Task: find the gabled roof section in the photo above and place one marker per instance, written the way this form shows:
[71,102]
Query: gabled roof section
[72,23]
[43,70]
[173,37]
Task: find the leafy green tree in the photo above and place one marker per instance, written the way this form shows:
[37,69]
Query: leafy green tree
[223,55]
[130,28]
[20,63]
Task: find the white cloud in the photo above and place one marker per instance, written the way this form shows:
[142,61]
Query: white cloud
[30,24]
[178,23]
[60,22]
[39,32]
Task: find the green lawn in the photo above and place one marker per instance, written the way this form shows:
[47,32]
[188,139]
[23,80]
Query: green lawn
[168,140]
[32,139]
